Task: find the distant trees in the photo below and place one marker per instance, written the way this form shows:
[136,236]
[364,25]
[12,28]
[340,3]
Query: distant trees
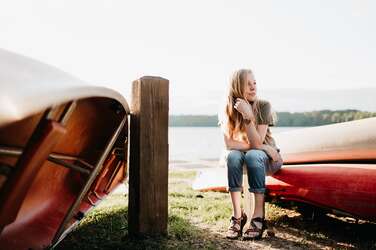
[193,121]
[322,117]
[285,119]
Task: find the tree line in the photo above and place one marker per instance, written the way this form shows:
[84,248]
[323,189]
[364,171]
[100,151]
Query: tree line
[284,119]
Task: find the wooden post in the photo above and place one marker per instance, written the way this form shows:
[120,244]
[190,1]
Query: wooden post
[148,159]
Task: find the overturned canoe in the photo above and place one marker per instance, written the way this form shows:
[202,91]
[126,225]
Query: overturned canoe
[62,149]
[353,141]
[344,189]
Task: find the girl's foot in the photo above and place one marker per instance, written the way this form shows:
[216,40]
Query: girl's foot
[236,227]
[256,229]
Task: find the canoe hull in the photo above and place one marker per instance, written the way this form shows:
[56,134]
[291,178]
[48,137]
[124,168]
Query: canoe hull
[346,188]
[55,188]
[353,141]
[63,148]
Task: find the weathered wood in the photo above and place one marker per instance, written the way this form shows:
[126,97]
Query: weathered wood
[148,159]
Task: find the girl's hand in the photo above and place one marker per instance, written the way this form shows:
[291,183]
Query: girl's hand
[271,152]
[244,108]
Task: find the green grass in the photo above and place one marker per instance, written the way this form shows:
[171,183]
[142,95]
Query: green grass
[105,227]
[199,220]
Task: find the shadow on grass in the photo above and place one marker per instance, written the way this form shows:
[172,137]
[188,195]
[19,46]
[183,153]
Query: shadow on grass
[109,230]
[329,231]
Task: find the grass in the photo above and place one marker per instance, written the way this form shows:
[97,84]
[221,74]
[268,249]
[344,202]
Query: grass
[199,220]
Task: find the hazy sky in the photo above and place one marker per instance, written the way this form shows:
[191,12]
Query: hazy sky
[198,44]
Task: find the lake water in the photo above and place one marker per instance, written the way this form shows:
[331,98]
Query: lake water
[200,143]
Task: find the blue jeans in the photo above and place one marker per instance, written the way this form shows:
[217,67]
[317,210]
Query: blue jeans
[258,166]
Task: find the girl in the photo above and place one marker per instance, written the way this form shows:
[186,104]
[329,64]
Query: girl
[248,138]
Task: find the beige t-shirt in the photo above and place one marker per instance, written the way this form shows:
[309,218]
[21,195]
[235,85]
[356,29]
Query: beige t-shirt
[265,116]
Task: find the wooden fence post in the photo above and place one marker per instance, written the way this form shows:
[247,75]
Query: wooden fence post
[148,158]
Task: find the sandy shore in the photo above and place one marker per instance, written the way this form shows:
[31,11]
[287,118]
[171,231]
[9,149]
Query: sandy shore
[178,165]
[194,165]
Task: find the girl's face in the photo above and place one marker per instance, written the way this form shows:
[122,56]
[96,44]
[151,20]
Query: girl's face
[250,87]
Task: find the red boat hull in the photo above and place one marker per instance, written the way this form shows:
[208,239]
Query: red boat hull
[347,188]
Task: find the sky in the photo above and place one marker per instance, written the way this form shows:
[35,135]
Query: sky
[196,45]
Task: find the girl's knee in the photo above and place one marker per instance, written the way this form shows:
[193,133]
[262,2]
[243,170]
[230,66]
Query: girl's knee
[235,158]
[254,157]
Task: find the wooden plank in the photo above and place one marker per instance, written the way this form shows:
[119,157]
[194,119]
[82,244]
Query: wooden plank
[148,159]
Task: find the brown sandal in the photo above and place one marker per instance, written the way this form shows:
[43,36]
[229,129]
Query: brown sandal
[254,232]
[235,229]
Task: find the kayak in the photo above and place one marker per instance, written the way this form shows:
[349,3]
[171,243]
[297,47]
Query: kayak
[63,148]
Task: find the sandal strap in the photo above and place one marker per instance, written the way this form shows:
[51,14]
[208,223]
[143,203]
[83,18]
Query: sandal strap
[234,228]
[237,221]
[258,219]
[255,231]
[235,224]
[254,227]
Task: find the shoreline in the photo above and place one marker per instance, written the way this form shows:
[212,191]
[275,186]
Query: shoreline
[194,164]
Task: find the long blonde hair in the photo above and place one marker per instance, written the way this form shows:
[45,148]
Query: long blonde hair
[235,121]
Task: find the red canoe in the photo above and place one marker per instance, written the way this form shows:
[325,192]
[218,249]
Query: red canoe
[332,167]
[62,150]
[344,189]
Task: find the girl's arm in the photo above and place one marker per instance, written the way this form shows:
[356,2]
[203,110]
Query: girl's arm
[255,136]
[258,137]
[232,144]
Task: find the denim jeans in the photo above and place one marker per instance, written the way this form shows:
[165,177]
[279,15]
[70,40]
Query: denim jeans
[258,166]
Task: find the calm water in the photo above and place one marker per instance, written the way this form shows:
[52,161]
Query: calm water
[200,143]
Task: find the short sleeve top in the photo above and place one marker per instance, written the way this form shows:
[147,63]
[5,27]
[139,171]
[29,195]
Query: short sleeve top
[265,116]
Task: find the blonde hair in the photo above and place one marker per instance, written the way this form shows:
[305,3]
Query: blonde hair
[235,121]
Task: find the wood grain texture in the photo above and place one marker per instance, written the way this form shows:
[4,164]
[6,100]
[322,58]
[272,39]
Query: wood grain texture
[148,171]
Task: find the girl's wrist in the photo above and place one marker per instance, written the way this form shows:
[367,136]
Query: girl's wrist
[249,119]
